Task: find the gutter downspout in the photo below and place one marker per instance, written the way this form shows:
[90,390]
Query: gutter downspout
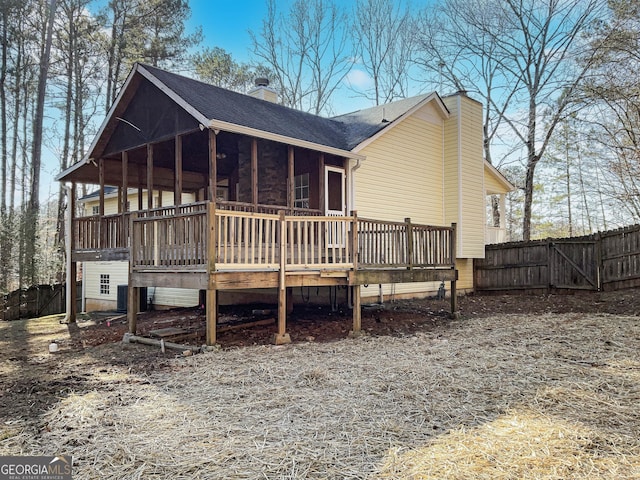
[352,185]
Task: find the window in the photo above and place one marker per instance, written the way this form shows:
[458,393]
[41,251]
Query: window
[301,191]
[95,210]
[104,284]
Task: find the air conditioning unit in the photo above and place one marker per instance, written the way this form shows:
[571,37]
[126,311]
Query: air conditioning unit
[122,299]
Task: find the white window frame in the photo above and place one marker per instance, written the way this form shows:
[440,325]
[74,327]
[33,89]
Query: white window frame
[105,284]
[301,187]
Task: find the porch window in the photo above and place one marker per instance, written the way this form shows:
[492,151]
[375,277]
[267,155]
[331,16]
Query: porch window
[301,191]
[95,210]
[104,284]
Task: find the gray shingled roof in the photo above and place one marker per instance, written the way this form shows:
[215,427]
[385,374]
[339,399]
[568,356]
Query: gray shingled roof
[96,193]
[344,132]
[362,124]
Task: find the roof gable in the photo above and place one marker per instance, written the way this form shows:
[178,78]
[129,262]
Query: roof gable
[363,126]
[149,116]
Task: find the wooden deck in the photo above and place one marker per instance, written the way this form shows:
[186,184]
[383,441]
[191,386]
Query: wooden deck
[218,247]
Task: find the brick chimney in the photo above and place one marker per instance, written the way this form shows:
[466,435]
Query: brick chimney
[263,91]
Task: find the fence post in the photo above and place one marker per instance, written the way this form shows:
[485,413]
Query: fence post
[409,233]
[599,263]
[550,265]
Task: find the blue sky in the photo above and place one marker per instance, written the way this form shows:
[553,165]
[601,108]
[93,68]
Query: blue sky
[226,24]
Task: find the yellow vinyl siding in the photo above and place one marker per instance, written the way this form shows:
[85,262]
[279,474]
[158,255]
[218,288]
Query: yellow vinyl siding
[492,184]
[464,174]
[451,164]
[472,172]
[412,171]
[402,174]
[465,274]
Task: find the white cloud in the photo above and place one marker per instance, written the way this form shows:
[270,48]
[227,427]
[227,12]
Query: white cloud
[358,79]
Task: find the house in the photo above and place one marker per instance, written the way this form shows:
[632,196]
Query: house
[281,199]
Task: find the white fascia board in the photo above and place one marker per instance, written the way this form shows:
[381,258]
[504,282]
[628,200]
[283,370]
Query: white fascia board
[241,129]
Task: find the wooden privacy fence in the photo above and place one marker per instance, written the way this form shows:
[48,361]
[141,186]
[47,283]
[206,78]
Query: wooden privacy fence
[36,301]
[603,261]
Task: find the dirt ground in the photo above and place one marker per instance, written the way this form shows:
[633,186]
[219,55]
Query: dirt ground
[91,353]
[308,322]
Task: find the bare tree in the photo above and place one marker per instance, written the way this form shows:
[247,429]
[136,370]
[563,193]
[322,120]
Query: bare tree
[611,103]
[33,207]
[306,50]
[385,41]
[151,31]
[528,52]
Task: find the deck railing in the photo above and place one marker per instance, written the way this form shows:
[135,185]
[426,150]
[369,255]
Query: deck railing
[318,242]
[383,244]
[268,209]
[171,242]
[260,241]
[101,233]
[174,210]
[246,240]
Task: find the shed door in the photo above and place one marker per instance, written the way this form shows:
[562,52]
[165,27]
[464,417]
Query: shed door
[335,205]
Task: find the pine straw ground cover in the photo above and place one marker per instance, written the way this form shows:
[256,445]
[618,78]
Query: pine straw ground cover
[510,397]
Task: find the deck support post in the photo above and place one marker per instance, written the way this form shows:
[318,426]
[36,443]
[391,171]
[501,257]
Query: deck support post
[254,172]
[211,299]
[72,290]
[454,294]
[102,234]
[212,315]
[177,189]
[357,311]
[282,337]
[213,166]
[133,294]
[149,176]
[291,184]
[125,185]
[133,302]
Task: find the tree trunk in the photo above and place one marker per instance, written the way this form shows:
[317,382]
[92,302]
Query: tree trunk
[71,48]
[4,233]
[528,196]
[31,216]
